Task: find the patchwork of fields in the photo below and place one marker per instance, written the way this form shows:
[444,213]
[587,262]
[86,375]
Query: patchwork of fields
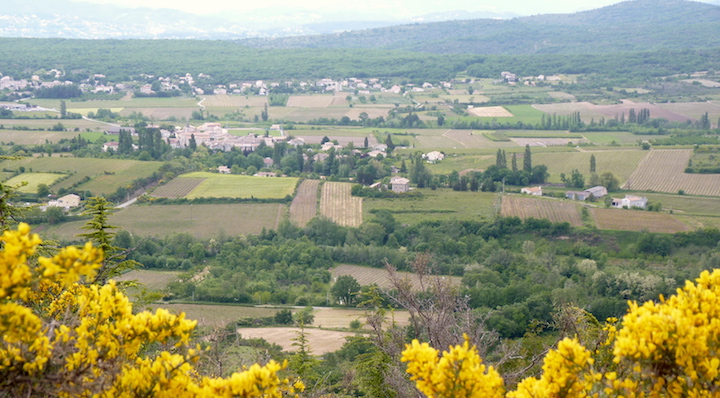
[663,170]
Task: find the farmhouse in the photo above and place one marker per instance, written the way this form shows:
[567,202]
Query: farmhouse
[400,184]
[66,201]
[597,192]
[118,129]
[223,170]
[434,156]
[114,145]
[268,162]
[534,191]
[630,201]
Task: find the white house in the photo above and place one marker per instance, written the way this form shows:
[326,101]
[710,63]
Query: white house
[400,184]
[223,170]
[534,191]
[630,201]
[434,156]
[66,201]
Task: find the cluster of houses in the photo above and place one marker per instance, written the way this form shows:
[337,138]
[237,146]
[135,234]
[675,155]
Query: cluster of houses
[628,202]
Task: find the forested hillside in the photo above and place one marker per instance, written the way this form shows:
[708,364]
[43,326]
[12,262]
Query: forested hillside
[627,26]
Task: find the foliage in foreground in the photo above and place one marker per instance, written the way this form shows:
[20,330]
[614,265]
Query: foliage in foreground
[665,349]
[64,337]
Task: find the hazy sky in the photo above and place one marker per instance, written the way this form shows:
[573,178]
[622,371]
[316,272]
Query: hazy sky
[392,9]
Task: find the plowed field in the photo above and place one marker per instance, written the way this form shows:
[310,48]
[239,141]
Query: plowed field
[553,210]
[304,206]
[637,220]
[663,171]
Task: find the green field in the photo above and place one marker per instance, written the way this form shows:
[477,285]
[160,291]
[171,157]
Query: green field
[201,221]
[33,181]
[441,204]
[619,137]
[683,204]
[460,163]
[238,186]
[106,175]
[69,124]
[29,137]
[172,102]
[150,279]
[621,163]
[539,134]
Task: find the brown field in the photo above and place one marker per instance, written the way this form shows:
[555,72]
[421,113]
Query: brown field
[490,111]
[320,341]
[655,110]
[545,142]
[304,206]
[337,204]
[160,113]
[335,318]
[354,113]
[663,171]
[637,220]
[310,101]
[587,110]
[379,276]
[694,110]
[553,210]
[151,279]
[233,101]
[177,188]
[215,315]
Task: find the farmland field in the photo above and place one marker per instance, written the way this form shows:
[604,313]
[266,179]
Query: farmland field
[461,163]
[304,206]
[490,111]
[553,210]
[238,186]
[151,279]
[177,188]
[337,204]
[637,220]
[621,163]
[694,110]
[619,137]
[215,315]
[320,341]
[24,137]
[379,276]
[310,101]
[440,204]
[201,221]
[33,180]
[69,124]
[160,113]
[106,175]
[126,102]
[233,101]
[663,171]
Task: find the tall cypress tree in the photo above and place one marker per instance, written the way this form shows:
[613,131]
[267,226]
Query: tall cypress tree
[514,163]
[527,160]
[592,163]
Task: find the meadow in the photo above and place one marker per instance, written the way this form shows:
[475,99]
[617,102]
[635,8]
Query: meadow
[33,180]
[238,186]
[68,124]
[201,221]
[152,280]
[440,204]
[622,163]
[106,175]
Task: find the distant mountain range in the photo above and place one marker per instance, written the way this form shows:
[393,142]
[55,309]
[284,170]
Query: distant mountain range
[75,20]
[627,26]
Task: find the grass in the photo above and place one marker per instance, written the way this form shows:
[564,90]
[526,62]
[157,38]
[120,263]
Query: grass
[106,174]
[239,186]
[201,221]
[33,181]
[148,102]
[150,279]
[216,315]
[684,204]
[619,137]
[620,163]
[540,134]
[460,163]
[441,204]
[69,124]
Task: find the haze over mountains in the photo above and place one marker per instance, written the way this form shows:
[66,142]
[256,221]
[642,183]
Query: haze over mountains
[626,26]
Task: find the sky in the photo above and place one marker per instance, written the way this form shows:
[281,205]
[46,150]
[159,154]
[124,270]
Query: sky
[382,9]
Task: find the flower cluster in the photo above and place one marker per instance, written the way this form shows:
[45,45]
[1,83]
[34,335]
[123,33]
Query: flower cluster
[665,349]
[459,373]
[63,336]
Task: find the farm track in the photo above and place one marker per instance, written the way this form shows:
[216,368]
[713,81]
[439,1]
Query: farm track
[663,171]
[553,210]
[337,204]
[304,206]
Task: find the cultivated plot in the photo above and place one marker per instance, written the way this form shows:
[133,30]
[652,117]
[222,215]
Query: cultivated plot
[319,341]
[150,279]
[621,163]
[439,204]
[380,276]
[553,210]
[338,204]
[33,180]
[694,110]
[161,113]
[490,111]
[637,220]
[201,221]
[233,101]
[304,206]
[217,185]
[177,188]
[310,101]
[663,171]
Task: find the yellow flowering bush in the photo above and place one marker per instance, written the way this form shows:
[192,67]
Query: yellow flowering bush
[666,349]
[64,337]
